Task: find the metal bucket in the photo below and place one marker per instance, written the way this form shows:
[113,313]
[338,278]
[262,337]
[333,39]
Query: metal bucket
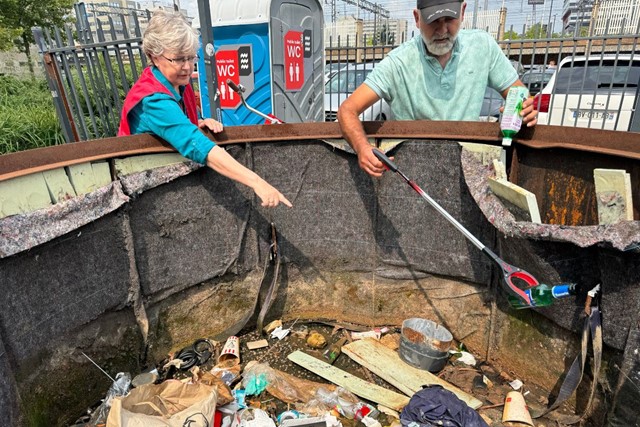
[425,344]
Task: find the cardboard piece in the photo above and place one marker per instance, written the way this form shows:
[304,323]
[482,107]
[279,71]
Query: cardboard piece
[253,345]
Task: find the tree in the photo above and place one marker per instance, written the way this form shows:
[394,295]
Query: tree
[510,35]
[19,16]
[385,36]
[7,36]
[536,31]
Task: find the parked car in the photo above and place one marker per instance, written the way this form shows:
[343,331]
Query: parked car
[518,67]
[491,104]
[331,68]
[342,84]
[536,79]
[596,92]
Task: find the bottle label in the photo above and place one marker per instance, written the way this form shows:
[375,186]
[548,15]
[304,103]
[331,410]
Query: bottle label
[560,291]
[511,120]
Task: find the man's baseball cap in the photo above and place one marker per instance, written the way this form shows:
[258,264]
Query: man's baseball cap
[435,9]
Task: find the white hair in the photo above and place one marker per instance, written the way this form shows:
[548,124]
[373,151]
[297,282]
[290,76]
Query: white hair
[169,32]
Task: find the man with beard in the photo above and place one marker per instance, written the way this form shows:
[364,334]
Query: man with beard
[441,75]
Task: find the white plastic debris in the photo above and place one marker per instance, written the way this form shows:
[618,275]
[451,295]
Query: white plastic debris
[280,333]
[370,422]
[331,421]
[260,419]
[466,358]
[516,384]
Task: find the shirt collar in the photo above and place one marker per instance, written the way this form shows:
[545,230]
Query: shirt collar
[162,79]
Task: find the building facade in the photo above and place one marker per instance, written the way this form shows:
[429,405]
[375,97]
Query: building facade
[351,31]
[576,15]
[616,17]
[115,16]
[492,21]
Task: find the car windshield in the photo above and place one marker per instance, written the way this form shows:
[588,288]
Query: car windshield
[597,75]
[537,77]
[346,81]
[333,67]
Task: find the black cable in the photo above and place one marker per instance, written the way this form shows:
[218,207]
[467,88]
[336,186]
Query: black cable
[197,353]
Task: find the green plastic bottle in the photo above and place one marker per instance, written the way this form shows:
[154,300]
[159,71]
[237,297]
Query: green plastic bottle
[511,120]
[332,353]
[543,295]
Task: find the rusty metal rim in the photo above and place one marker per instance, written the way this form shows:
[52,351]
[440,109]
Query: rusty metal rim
[615,143]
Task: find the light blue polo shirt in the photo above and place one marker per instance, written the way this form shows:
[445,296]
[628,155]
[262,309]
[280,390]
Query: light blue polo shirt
[417,87]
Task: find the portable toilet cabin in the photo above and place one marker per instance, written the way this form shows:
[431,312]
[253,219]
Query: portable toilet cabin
[275,49]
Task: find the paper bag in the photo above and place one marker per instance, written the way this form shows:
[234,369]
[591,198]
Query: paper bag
[170,404]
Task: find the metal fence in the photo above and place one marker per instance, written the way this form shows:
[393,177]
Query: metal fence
[90,67]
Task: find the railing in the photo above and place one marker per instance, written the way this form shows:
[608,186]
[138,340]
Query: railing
[90,67]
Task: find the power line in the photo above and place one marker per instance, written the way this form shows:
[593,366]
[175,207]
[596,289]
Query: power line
[365,5]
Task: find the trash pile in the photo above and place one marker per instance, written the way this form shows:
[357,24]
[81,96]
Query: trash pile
[316,375]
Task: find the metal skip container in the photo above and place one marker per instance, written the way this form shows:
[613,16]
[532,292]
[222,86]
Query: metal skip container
[425,344]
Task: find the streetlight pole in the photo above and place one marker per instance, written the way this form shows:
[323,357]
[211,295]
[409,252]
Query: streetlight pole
[475,14]
[549,34]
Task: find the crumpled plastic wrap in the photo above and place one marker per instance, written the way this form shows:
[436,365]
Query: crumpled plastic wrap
[288,388]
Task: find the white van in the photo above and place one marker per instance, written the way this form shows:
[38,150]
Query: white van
[599,92]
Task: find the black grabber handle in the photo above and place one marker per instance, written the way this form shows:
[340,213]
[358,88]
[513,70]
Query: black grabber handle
[388,163]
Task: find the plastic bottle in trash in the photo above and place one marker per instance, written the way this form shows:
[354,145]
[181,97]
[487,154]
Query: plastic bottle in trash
[543,295]
[511,120]
[332,353]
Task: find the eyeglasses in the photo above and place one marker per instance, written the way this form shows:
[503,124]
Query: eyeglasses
[182,60]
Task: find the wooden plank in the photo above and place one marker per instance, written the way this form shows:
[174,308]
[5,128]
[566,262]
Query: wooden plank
[253,345]
[517,196]
[613,194]
[387,364]
[136,164]
[23,194]
[102,173]
[355,385]
[60,188]
[501,170]
[82,179]
[485,153]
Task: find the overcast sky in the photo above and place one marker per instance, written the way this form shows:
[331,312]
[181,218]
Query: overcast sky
[519,12]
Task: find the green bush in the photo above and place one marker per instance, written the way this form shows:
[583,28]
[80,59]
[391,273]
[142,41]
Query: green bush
[27,116]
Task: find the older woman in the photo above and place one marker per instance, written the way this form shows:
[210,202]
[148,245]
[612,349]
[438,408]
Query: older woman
[162,102]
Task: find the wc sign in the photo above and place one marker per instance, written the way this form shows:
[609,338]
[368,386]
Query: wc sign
[234,62]
[297,47]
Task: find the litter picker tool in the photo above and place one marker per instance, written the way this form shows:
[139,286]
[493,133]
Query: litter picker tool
[509,272]
[239,89]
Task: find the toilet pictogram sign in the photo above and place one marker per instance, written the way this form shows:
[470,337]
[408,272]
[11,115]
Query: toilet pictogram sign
[235,63]
[293,60]
[227,68]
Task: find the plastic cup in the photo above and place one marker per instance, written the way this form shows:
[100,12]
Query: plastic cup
[515,410]
[230,351]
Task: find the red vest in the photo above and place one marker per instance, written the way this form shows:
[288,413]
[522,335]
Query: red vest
[147,85]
